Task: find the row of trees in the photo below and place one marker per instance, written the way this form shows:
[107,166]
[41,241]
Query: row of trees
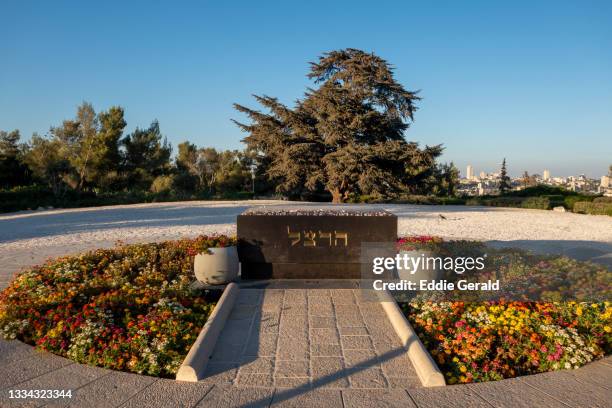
[91,153]
[343,141]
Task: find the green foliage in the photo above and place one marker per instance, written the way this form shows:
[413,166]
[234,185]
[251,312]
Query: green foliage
[541,189]
[504,183]
[539,203]
[13,171]
[570,201]
[500,201]
[603,200]
[593,208]
[162,184]
[147,155]
[346,137]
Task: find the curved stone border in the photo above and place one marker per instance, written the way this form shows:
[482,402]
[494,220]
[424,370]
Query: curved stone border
[196,360]
[426,368]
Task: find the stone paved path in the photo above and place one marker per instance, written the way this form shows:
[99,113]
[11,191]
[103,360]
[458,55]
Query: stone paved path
[322,338]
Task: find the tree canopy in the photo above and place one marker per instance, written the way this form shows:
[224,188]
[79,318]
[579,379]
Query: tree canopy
[346,136]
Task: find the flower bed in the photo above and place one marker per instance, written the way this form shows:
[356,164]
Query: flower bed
[483,341]
[131,308]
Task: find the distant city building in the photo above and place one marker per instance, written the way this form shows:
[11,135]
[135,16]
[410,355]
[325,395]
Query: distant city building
[605,186]
[488,183]
[470,172]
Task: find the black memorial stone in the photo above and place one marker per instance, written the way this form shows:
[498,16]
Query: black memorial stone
[309,243]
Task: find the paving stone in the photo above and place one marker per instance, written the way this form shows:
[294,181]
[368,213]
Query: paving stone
[326,310]
[295,309]
[329,350]
[404,382]
[291,349]
[594,373]
[356,342]
[328,372]
[376,398]
[324,336]
[266,322]
[320,300]
[513,392]
[14,350]
[342,310]
[286,368]
[255,380]
[386,348]
[229,397]
[353,331]
[295,296]
[350,321]
[318,292]
[454,396]
[219,373]
[311,398]
[563,386]
[320,322]
[398,366]
[371,311]
[36,364]
[293,321]
[343,299]
[263,345]
[353,358]
[168,393]
[367,377]
[292,382]
[258,365]
[384,335]
[109,391]
[70,377]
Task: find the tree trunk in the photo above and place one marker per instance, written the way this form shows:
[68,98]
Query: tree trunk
[337,196]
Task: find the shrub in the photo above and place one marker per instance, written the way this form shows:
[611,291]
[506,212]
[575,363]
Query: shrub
[162,184]
[585,207]
[603,200]
[539,203]
[130,308]
[571,200]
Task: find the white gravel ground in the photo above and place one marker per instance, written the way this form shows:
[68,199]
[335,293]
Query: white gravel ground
[30,237]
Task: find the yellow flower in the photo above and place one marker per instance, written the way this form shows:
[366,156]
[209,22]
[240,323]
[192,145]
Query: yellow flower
[462,369]
[607,329]
[579,311]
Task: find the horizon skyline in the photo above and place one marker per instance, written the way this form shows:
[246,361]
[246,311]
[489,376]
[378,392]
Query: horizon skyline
[476,170]
[540,80]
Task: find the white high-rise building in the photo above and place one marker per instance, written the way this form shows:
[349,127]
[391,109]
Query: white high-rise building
[470,172]
[483,175]
[546,175]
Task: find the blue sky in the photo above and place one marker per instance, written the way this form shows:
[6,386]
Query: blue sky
[529,81]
